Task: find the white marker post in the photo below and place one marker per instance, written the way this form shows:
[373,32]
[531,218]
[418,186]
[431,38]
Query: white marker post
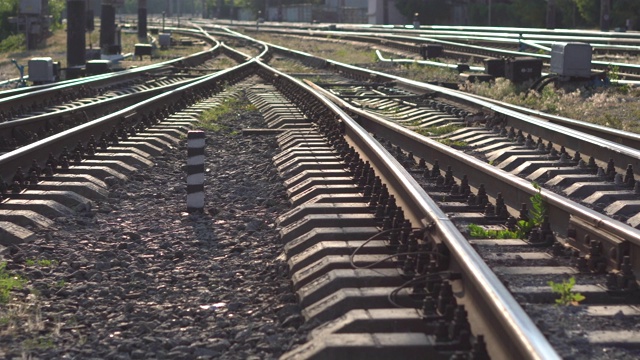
[195,171]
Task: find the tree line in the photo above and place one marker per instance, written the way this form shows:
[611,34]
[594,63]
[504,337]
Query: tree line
[523,13]
[518,13]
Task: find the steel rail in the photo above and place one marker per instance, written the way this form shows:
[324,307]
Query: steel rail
[515,189]
[621,137]
[585,143]
[525,341]
[543,45]
[630,69]
[265,51]
[624,69]
[577,140]
[27,93]
[530,33]
[454,67]
[34,123]
[39,150]
[611,36]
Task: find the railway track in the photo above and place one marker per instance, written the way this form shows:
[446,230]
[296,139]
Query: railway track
[31,115]
[468,53]
[604,43]
[377,241]
[392,101]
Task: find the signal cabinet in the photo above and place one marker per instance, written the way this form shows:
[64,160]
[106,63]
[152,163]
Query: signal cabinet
[41,70]
[494,67]
[571,59]
[33,7]
[521,69]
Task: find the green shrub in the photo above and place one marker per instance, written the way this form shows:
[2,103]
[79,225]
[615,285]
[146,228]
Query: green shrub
[13,43]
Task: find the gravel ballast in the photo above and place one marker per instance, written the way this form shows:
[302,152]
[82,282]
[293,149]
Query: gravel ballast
[139,277]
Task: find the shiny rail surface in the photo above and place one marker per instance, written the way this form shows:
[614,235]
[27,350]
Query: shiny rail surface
[618,239]
[525,340]
[128,118]
[496,319]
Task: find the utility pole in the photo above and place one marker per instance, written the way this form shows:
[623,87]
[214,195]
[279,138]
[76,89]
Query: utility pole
[385,12]
[489,19]
[551,14]
[76,38]
[107,27]
[605,15]
[142,19]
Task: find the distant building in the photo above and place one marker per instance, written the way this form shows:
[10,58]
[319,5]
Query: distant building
[339,11]
[384,12]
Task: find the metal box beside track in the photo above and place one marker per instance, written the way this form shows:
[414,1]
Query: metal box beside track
[164,40]
[521,69]
[143,49]
[431,51]
[33,7]
[494,67]
[41,70]
[571,59]
[95,67]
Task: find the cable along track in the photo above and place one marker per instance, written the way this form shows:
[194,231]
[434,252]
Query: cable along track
[457,305]
[595,244]
[318,248]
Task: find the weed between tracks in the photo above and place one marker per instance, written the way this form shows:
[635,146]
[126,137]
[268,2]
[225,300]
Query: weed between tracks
[41,262]
[615,107]
[8,282]
[523,227]
[21,318]
[209,120]
[565,292]
[437,130]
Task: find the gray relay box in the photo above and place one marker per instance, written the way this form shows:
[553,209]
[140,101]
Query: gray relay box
[41,70]
[571,59]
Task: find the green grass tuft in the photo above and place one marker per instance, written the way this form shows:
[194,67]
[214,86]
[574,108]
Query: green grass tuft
[438,130]
[8,282]
[453,143]
[211,120]
[478,232]
[41,262]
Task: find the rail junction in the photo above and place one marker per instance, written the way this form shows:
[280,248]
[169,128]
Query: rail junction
[390,242]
